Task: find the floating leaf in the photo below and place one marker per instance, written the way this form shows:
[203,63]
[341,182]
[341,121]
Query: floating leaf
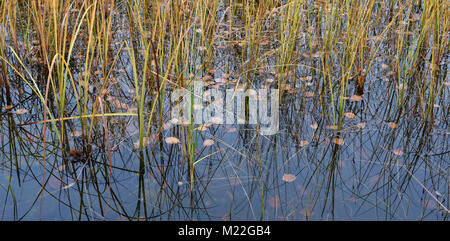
[304,143]
[397,152]
[355,98]
[361,125]
[269,80]
[338,141]
[314,126]
[288,178]
[172,140]
[69,185]
[20,111]
[203,127]
[208,142]
[392,125]
[145,142]
[8,107]
[349,115]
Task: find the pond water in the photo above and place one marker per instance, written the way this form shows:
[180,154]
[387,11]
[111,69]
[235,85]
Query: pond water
[384,161]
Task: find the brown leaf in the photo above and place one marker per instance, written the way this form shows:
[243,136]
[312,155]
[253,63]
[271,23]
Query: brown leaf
[392,125]
[20,111]
[349,115]
[338,141]
[288,178]
[356,98]
[397,152]
[208,142]
[172,140]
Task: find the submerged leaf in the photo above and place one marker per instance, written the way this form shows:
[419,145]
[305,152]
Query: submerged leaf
[275,202]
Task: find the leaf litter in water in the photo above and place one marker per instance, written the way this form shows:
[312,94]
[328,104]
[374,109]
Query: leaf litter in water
[349,115]
[172,140]
[361,125]
[356,98]
[393,125]
[208,142]
[338,141]
[20,111]
[304,143]
[398,152]
[288,178]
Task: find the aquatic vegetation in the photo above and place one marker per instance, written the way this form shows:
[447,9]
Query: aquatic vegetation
[88,95]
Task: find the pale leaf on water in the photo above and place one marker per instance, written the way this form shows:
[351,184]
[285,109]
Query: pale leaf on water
[68,186]
[203,127]
[392,125]
[145,142]
[361,125]
[269,80]
[20,111]
[208,142]
[338,141]
[288,178]
[314,126]
[304,143]
[8,107]
[76,133]
[355,98]
[172,140]
[398,152]
[349,115]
